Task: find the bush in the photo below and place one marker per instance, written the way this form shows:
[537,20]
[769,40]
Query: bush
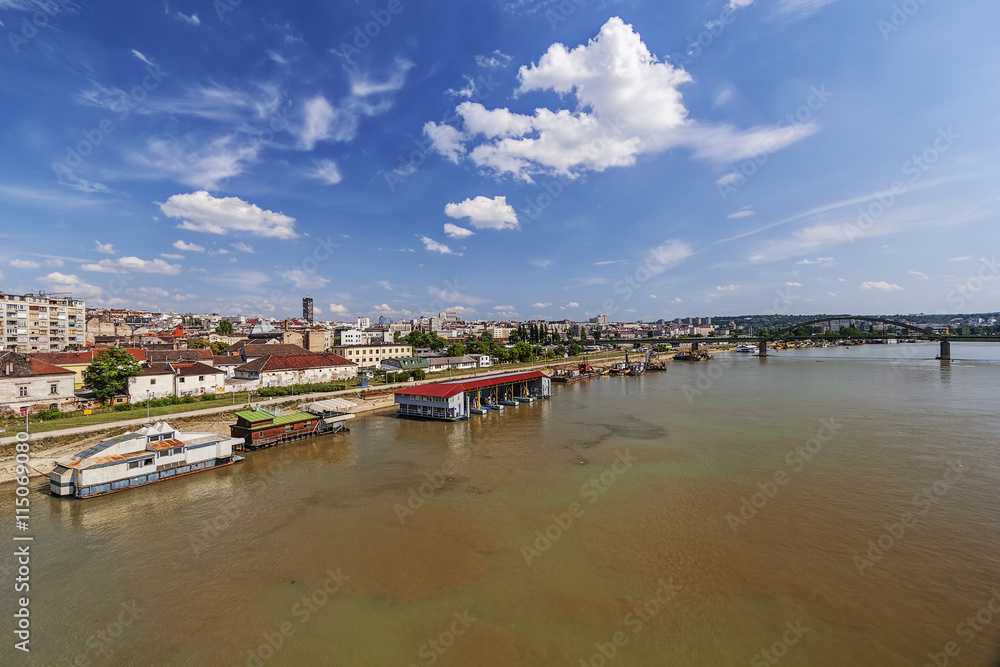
[123,407]
[51,413]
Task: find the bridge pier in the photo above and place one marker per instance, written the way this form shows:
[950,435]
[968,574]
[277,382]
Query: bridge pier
[762,348]
[694,346]
[945,351]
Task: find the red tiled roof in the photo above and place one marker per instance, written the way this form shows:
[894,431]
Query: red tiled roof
[65,358]
[195,368]
[448,389]
[260,350]
[42,368]
[156,369]
[288,362]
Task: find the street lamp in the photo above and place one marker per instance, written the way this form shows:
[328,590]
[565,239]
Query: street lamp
[148,393]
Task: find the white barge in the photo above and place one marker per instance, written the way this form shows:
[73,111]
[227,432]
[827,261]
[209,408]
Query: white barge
[152,454]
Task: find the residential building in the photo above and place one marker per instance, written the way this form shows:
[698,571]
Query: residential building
[182,378]
[156,381]
[70,361]
[286,370]
[399,364]
[463,363]
[30,385]
[370,356]
[600,320]
[42,323]
[307,310]
[364,322]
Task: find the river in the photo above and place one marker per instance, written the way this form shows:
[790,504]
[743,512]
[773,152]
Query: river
[832,506]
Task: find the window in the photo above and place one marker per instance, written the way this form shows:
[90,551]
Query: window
[133,464]
[181,380]
[153,381]
[22,391]
[53,389]
[201,378]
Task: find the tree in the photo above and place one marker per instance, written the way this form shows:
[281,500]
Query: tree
[597,335]
[225,328]
[108,374]
[456,350]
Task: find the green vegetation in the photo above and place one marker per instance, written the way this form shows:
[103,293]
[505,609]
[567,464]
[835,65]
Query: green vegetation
[108,374]
[296,389]
[225,328]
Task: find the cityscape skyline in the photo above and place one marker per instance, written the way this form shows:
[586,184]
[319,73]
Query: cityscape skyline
[505,160]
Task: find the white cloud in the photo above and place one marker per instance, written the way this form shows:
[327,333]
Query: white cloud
[243,247]
[192,20]
[303,279]
[727,288]
[739,4]
[106,248]
[435,246]
[446,140]
[831,294]
[327,171]
[318,117]
[484,213]
[456,232]
[171,255]
[338,309]
[744,212]
[54,262]
[133,265]
[541,305]
[70,283]
[818,260]
[140,56]
[628,103]
[919,274]
[800,8]
[543,264]
[201,212]
[454,297]
[960,259]
[881,285]
[666,256]
[728,179]
[504,308]
[188,247]
[495,59]
[23,264]
[385,284]
[197,161]
[793,284]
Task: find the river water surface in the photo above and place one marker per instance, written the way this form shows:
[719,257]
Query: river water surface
[832,506]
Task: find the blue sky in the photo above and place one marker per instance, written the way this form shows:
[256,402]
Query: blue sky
[506,158]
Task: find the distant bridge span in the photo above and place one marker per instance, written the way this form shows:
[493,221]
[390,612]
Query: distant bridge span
[781,333]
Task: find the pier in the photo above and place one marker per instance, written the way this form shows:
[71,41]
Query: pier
[458,399]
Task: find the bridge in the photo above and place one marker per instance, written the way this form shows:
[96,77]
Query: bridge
[788,334]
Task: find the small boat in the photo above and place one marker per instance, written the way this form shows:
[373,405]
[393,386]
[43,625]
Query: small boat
[477,411]
[511,403]
[747,349]
[523,399]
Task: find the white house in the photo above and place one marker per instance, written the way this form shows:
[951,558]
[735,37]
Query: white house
[156,381]
[32,385]
[286,370]
[184,378]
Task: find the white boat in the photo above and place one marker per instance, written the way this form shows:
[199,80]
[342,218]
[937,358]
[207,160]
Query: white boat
[746,349]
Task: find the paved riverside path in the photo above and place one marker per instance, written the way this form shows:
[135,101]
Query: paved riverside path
[139,421]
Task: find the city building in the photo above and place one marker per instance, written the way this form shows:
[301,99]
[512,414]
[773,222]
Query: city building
[42,323]
[370,356]
[288,369]
[307,310]
[28,385]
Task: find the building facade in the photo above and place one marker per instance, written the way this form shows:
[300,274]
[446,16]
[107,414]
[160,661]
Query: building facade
[371,356]
[41,323]
[29,385]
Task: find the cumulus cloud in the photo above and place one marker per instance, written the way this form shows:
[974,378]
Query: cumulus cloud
[818,260]
[201,212]
[484,213]
[70,283]
[727,288]
[133,265]
[105,248]
[793,284]
[541,305]
[456,232]
[338,309]
[188,247]
[628,103]
[881,285]
[171,255]
[436,246]
[23,264]
[243,247]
